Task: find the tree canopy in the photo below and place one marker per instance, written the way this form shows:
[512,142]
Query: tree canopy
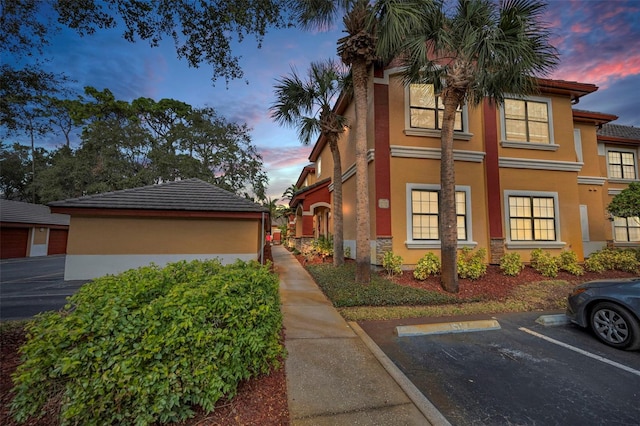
[203,31]
[131,144]
[627,202]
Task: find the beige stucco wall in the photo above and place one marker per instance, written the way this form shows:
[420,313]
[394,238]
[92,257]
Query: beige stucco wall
[106,235]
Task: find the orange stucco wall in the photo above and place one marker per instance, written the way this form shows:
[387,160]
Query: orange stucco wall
[105,235]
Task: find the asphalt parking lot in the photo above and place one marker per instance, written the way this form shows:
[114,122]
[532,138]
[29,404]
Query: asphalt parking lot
[32,285]
[522,374]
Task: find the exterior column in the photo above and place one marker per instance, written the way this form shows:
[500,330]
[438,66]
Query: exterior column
[492,170]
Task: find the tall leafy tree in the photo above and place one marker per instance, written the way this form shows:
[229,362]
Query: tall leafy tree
[203,31]
[627,202]
[365,23]
[15,163]
[228,157]
[307,104]
[479,49]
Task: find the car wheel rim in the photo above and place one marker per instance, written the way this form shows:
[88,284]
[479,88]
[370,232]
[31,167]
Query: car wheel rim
[610,326]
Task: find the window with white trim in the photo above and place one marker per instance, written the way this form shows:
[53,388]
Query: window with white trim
[423,214]
[527,120]
[621,164]
[626,229]
[318,167]
[426,110]
[532,217]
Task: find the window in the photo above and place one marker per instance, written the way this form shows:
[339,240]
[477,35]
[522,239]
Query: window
[318,167]
[527,121]
[621,164]
[532,218]
[425,213]
[426,109]
[626,229]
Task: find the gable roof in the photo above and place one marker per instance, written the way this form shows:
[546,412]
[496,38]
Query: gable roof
[189,195]
[27,213]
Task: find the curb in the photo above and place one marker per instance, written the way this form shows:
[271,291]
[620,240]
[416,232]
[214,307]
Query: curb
[419,400]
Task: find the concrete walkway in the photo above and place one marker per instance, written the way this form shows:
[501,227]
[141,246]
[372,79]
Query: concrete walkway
[336,375]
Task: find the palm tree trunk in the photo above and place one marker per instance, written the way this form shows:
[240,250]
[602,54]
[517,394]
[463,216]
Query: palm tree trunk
[338,222]
[447,206]
[363,230]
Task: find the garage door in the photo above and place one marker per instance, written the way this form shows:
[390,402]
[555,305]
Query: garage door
[57,241]
[13,242]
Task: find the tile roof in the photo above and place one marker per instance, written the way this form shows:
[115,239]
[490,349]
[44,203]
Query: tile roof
[19,212]
[182,195]
[619,131]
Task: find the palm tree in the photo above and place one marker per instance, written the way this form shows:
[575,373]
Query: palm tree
[374,31]
[482,50]
[307,105]
[289,193]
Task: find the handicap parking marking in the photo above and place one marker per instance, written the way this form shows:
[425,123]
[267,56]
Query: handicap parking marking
[581,351]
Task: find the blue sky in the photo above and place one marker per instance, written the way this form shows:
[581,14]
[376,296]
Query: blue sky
[599,43]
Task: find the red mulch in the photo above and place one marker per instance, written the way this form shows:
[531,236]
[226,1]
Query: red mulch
[494,285]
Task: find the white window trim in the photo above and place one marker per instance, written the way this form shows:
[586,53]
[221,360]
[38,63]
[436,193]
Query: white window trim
[558,243]
[551,146]
[434,133]
[318,167]
[435,244]
[635,163]
[618,243]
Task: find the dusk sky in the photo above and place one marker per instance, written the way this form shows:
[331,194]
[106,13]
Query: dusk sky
[598,41]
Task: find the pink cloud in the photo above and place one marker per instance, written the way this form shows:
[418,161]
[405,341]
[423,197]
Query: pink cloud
[281,157]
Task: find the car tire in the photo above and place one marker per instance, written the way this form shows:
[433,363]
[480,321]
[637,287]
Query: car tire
[615,326]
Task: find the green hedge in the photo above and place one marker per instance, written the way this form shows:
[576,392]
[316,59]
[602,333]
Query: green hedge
[147,345]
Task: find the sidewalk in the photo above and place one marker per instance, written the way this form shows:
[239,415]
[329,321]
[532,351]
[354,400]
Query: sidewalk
[336,375]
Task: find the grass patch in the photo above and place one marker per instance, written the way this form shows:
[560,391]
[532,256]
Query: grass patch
[340,287]
[384,300]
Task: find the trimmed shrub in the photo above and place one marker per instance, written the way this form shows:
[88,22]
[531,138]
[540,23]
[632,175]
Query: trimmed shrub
[610,259]
[511,264]
[429,264]
[392,263]
[568,261]
[626,261]
[145,346]
[543,262]
[471,265]
[322,247]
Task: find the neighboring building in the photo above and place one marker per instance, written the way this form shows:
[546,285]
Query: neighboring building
[182,220]
[29,230]
[311,206]
[535,173]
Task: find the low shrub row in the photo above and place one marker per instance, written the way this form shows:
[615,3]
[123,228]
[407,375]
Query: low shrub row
[148,345]
[471,264]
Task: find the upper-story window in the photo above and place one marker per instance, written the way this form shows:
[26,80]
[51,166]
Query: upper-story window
[318,167]
[426,109]
[621,164]
[527,121]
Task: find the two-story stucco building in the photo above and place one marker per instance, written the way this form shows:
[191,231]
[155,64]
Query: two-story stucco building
[533,173]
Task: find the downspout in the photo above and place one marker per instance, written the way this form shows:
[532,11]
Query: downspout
[262,242]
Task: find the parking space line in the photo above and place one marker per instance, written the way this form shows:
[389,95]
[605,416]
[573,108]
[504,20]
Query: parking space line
[581,351]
